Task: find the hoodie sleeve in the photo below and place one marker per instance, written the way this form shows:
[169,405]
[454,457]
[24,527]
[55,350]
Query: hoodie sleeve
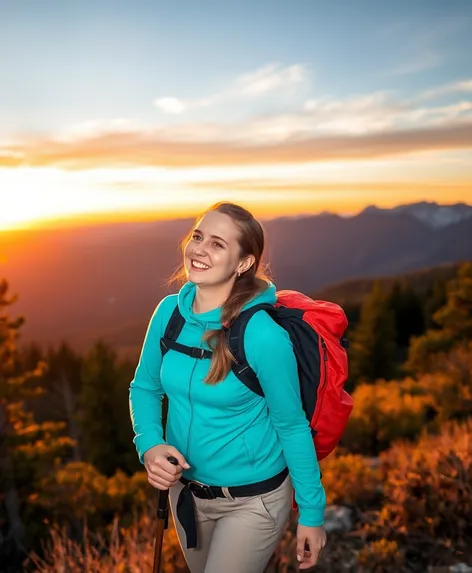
[146,392]
[270,354]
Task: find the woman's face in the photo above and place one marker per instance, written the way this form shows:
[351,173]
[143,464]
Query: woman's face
[212,254]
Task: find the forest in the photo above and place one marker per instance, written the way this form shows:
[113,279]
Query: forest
[74,497]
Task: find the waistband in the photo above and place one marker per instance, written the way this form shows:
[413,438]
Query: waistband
[186,504]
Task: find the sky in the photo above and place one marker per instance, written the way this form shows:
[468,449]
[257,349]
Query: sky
[142,110]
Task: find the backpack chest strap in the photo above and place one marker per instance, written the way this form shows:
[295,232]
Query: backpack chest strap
[192,351]
[169,340]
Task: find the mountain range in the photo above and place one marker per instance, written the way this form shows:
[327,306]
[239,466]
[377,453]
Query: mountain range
[80,284]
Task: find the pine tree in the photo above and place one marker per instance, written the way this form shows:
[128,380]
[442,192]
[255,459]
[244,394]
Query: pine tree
[436,298]
[455,325]
[408,311]
[103,415]
[373,348]
[28,450]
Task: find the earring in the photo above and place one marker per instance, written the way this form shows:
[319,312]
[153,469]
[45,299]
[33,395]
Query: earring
[239,274]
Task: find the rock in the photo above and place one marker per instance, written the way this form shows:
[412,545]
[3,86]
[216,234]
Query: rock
[460,568]
[338,518]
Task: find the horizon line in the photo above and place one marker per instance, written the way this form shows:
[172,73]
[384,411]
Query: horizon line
[101,219]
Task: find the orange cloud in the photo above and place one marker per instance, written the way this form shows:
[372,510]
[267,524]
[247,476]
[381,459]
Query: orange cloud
[356,186]
[151,149]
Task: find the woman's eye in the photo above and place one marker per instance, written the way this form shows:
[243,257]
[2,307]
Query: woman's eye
[196,237]
[218,245]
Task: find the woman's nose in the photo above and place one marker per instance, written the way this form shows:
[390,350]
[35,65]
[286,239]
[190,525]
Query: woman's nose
[200,249]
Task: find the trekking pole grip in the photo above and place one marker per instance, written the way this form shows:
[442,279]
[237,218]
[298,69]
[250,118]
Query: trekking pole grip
[162,500]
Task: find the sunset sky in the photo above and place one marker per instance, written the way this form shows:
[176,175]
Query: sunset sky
[128,110]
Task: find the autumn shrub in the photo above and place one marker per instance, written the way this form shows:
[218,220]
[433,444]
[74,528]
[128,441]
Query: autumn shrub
[124,550]
[429,485]
[387,411]
[450,383]
[381,556]
[428,490]
[78,493]
[351,479]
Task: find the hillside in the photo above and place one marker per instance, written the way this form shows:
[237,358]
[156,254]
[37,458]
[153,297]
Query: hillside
[352,292]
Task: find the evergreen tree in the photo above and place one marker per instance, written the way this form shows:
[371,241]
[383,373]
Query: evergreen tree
[373,348]
[103,412]
[28,450]
[61,383]
[436,298]
[454,320]
[408,311]
[63,380]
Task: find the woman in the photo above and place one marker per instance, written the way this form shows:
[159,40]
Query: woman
[250,449]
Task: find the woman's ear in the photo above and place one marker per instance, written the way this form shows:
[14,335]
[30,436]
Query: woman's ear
[246,264]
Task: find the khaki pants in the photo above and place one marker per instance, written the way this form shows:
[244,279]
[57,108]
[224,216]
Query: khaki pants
[235,535]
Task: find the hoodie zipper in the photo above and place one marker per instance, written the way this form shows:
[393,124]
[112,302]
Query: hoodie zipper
[191,408]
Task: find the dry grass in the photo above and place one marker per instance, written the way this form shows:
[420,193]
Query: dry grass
[124,551]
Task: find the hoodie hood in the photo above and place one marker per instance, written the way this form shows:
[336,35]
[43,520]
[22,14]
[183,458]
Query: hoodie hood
[211,320]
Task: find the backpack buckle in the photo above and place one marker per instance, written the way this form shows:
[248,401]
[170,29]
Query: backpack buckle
[197,353]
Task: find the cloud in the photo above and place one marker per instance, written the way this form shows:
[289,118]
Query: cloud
[329,186]
[416,47]
[10,158]
[364,114]
[378,124]
[171,105]
[447,89]
[254,84]
[270,78]
[98,127]
[151,149]
[427,60]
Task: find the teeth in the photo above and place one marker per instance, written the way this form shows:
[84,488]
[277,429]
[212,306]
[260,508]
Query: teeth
[199,265]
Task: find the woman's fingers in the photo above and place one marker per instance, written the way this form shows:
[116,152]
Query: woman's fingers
[159,483]
[310,542]
[157,471]
[160,467]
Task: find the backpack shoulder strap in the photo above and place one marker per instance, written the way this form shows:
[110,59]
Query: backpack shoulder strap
[241,368]
[172,331]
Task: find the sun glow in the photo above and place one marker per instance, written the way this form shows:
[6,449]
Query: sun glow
[33,196]
[47,196]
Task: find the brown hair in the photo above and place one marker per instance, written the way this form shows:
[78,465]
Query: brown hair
[245,288]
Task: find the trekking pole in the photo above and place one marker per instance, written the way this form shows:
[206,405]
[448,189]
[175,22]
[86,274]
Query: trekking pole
[162,521]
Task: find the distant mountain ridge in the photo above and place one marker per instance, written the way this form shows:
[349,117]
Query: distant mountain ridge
[83,283]
[429,213]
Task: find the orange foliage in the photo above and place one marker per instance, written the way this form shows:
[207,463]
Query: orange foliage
[350,480]
[384,412]
[128,550]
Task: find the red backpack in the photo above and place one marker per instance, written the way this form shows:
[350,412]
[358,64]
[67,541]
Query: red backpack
[316,329]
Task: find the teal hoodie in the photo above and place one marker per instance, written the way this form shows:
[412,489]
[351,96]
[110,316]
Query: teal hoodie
[227,433]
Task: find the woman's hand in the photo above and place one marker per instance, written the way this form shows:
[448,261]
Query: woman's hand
[315,537]
[161,473]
